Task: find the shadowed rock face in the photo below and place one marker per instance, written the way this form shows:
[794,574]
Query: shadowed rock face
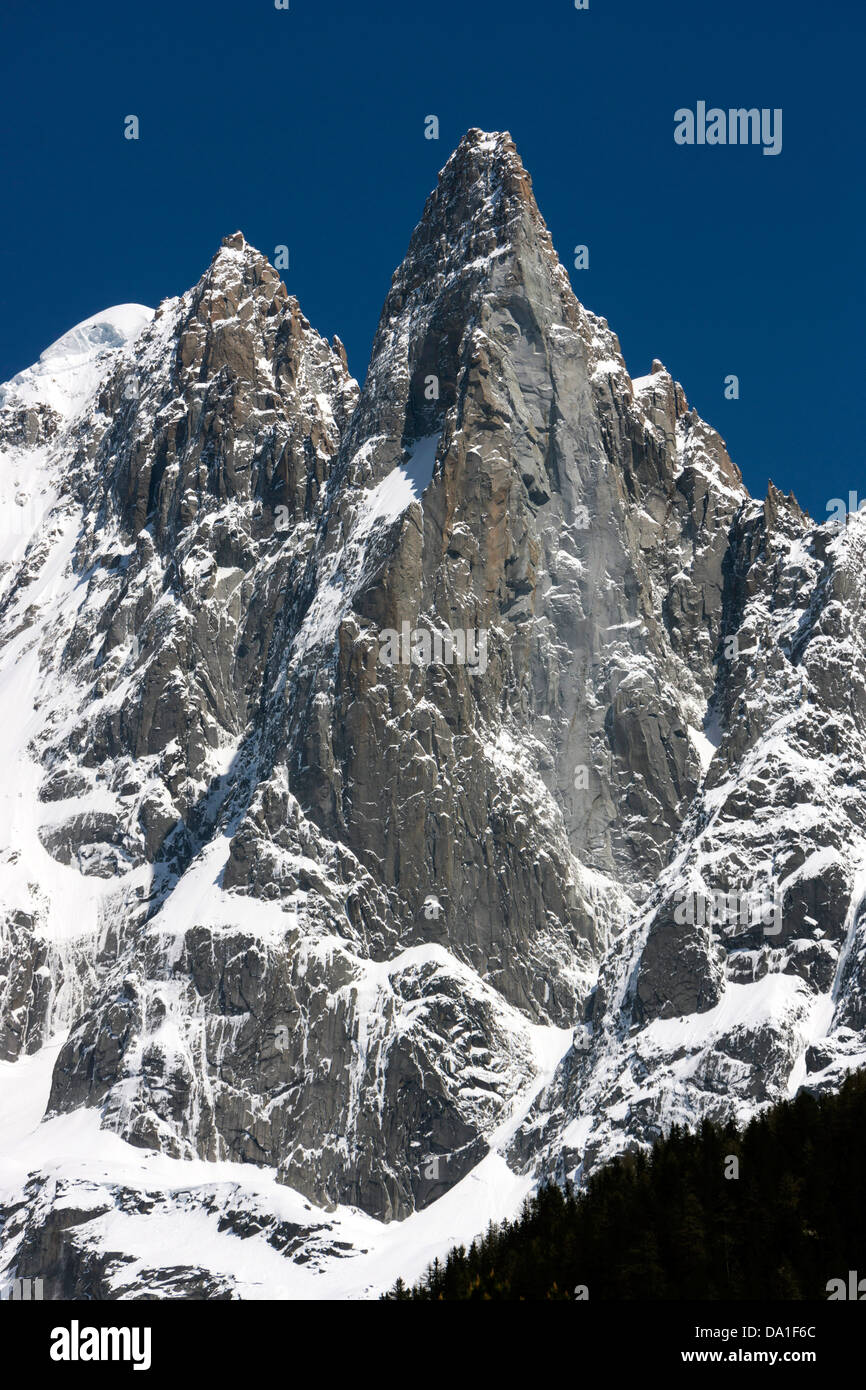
[327,893]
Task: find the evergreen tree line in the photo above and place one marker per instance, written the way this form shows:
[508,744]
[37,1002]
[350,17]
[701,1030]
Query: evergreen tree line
[669,1224]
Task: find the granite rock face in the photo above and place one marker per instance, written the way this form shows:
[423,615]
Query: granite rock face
[368,741]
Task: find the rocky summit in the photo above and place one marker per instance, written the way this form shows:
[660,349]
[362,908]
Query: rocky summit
[411,792]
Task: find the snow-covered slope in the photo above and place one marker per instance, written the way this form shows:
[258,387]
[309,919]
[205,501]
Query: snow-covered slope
[130,1221]
[314,959]
[69,371]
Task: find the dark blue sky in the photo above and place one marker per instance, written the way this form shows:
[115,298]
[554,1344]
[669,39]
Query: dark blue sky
[306,128]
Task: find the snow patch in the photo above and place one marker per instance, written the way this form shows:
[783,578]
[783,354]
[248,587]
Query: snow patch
[69,371]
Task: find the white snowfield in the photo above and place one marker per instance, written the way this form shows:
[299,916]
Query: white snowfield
[90,1164]
[69,371]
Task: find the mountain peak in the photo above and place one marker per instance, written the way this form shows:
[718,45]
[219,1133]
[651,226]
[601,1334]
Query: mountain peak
[69,369]
[486,144]
[484,172]
[480,211]
[366,757]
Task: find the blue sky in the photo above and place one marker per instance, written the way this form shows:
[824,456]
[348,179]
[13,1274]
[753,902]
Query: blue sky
[306,128]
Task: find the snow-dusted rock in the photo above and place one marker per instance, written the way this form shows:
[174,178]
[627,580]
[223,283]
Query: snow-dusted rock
[284,897]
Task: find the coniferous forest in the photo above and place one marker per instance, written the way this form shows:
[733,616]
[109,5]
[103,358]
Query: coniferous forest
[685,1222]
